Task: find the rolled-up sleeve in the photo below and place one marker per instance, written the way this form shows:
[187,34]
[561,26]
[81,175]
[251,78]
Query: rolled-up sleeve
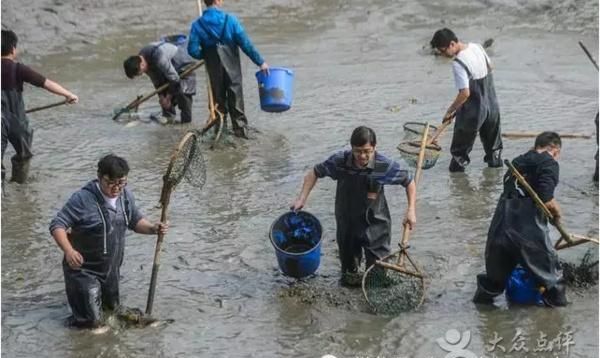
[71,213]
[329,167]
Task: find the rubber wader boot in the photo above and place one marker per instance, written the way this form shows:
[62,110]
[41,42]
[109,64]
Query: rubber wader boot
[496,160]
[20,171]
[351,279]
[484,294]
[455,167]
[556,296]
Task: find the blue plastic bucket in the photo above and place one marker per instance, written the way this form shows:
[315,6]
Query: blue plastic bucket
[521,288]
[276,90]
[176,39]
[296,237]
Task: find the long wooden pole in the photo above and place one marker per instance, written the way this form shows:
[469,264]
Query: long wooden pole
[35,109]
[540,204]
[535,134]
[589,55]
[136,102]
[406,230]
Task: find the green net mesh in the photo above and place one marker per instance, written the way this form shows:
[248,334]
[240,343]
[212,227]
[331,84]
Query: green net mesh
[389,291]
[410,153]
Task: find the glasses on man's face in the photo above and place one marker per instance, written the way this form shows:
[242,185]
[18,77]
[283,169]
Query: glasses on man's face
[367,152]
[119,183]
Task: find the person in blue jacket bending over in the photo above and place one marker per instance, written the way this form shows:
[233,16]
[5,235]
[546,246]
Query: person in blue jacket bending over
[216,37]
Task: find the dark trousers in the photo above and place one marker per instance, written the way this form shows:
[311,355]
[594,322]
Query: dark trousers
[20,136]
[88,295]
[465,134]
[184,103]
[351,249]
[229,100]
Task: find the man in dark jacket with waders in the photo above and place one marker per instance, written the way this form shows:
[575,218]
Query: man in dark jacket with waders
[361,211]
[15,125]
[90,230]
[163,62]
[519,233]
[475,105]
[217,37]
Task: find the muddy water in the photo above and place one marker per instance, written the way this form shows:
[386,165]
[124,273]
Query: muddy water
[356,62]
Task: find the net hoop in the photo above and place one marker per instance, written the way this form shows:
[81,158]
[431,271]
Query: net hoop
[404,271]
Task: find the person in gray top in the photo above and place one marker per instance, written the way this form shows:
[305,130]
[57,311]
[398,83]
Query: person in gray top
[90,230]
[163,62]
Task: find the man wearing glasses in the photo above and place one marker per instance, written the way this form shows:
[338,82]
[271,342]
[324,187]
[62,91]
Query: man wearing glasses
[475,105]
[90,230]
[362,216]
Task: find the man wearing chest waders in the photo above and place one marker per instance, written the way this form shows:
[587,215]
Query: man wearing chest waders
[362,216]
[475,104]
[217,37]
[15,125]
[519,233]
[90,230]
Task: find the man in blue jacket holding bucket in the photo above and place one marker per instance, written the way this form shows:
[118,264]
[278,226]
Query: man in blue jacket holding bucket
[361,211]
[216,37]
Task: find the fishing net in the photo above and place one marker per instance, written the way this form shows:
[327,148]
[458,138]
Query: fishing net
[583,274]
[392,287]
[417,128]
[410,153]
[187,162]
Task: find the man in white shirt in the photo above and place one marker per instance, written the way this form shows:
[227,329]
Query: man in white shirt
[475,104]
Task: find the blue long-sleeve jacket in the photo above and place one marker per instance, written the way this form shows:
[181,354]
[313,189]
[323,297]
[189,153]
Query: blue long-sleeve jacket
[234,35]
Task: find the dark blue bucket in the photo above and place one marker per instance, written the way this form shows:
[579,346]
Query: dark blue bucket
[296,237]
[276,90]
[177,39]
[522,288]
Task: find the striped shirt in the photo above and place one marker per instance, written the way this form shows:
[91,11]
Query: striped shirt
[380,168]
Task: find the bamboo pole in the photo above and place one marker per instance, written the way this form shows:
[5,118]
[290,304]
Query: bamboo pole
[513,135]
[571,240]
[139,100]
[35,109]
[589,55]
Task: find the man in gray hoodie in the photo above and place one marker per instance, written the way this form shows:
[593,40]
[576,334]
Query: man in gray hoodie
[163,62]
[90,230]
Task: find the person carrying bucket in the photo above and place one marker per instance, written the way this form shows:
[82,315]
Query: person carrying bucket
[518,233]
[475,104]
[15,125]
[217,37]
[162,62]
[363,219]
[90,230]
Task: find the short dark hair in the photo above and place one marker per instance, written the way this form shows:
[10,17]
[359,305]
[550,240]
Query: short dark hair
[209,2]
[113,166]
[9,42]
[545,139]
[132,66]
[442,38]
[362,136]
